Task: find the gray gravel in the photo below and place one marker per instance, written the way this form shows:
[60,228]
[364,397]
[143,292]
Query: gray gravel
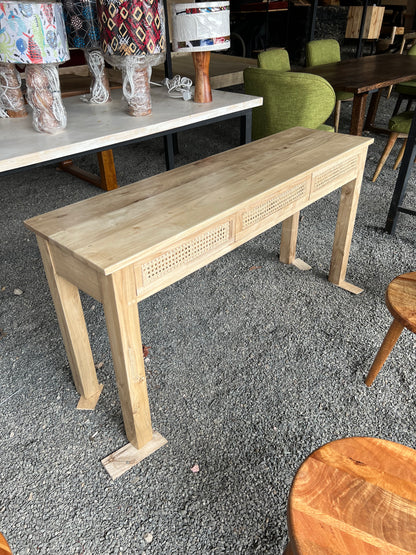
[249,370]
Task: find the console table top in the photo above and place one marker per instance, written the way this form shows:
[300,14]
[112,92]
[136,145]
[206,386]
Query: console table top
[139,217]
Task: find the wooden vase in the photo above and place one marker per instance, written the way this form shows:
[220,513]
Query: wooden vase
[202,85]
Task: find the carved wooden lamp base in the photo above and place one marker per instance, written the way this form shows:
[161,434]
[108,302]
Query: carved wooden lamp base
[202,84]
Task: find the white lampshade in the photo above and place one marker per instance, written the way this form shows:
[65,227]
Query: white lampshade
[201,27]
[33,33]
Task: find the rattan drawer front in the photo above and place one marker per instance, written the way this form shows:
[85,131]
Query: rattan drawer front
[182,257]
[330,178]
[279,202]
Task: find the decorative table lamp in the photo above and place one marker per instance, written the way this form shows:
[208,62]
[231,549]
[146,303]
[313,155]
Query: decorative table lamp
[12,103]
[200,28]
[133,39]
[34,34]
[83,32]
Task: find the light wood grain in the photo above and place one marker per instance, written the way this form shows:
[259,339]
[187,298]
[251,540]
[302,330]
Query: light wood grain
[150,234]
[195,198]
[74,332]
[350,193]
[289,238]
[372,25]
[354,495]
[128,456]
[120,308]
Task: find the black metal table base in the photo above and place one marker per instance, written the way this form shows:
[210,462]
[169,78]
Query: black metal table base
[396,205]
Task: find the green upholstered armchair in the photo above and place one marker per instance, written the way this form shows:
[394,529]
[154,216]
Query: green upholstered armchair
[327,51]
[289,99]
[276,59]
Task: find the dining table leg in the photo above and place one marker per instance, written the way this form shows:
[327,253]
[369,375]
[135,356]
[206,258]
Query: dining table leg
[372,110]
[358,113]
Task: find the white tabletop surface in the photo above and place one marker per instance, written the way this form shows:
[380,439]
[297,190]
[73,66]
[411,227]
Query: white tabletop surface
[95,127]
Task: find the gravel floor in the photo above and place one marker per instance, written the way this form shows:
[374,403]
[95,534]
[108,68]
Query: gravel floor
[248,371]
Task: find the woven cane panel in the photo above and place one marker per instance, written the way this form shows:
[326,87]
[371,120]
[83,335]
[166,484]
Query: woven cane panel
[331,175]
[186,252]
[274,204]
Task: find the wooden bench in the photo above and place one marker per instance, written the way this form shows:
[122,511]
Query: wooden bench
[124,245]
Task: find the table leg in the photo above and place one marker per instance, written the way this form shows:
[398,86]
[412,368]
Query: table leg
[347,210]
[74,331]
[372,110]
[358,113]
[122,317]
[107,179]
[288,241]
[169,144]
[246,124]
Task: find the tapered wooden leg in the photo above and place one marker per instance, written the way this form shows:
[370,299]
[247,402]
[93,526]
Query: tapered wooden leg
[389,342]
[108,180]
[74,331]
[390,144]
[337,114]
[288,550]
[120,308]
[400,155]
[358,113]
[389,91]
[343,234]
[288,241]
[372,110]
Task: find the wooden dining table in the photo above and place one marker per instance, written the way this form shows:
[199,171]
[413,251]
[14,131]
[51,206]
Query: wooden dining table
[361,76]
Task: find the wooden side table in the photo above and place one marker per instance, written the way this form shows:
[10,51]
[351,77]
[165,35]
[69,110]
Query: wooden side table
[354,496]
[124,245]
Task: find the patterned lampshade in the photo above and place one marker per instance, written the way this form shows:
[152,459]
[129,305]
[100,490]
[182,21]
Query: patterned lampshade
[81,22]
[131,27]
[201,27]
[32,33]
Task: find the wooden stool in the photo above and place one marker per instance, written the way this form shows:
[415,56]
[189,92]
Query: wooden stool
[401,301]
[354,496]
[4,546]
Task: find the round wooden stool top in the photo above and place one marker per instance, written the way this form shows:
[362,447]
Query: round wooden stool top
[401,300]
[4,546]
[354,496]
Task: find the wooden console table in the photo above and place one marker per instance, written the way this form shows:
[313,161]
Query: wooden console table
[124,245]
[99,127]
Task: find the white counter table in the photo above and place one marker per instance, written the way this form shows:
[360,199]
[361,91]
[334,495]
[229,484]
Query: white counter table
[97,128]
